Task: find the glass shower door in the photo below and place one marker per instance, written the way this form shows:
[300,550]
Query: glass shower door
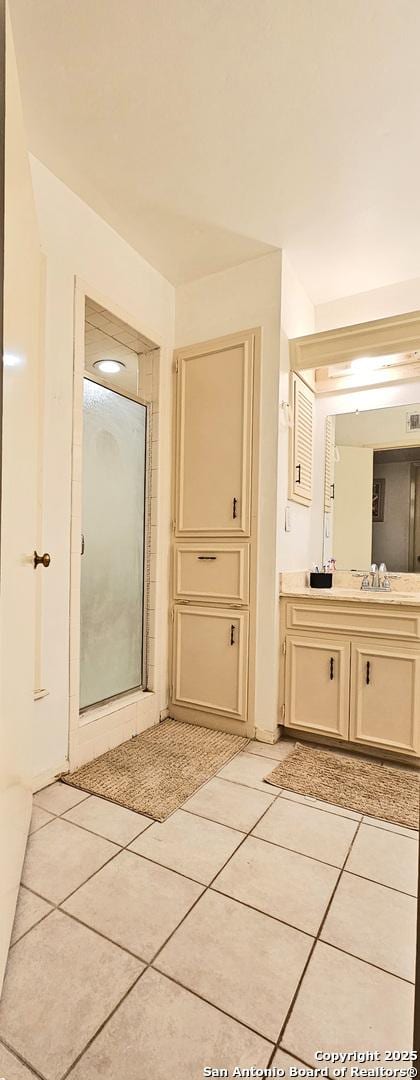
[113,526]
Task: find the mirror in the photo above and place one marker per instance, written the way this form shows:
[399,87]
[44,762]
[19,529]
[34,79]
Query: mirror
[372,489]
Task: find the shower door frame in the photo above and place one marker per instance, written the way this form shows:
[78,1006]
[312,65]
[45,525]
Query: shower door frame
[99,727]
[142,686]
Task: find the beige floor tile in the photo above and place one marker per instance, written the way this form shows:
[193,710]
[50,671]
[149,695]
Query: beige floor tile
[279,750]
[249,769]
[375,923]
[57,798]
[242,961]
[326,837]
[161,1031]
[192,845]
[413,834]
[385,857]
[60,857]
[229,804]
[345,1004]
[290,887]
[39,818]
[30,910]
[107,819]
[62,982]
[134,902]
[318,804]
[283,1060]
[11,1068]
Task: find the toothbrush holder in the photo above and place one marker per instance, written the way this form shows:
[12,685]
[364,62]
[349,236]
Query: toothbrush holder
[320,581]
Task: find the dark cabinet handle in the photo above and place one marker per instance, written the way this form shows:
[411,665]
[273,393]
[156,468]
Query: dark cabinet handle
[298,469]
[331,667]
[234,506]
[207,558]
[332,496]
[82,547]
[368,673]
[41,560]
[232,634]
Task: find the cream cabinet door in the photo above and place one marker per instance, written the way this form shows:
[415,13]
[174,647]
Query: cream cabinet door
[210,660]
[318,686]
[301,442]
[385,702]
[214,435]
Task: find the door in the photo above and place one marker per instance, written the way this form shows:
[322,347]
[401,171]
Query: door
[318,686]
[385,702]
[352,523]
[113,527]
[214,435]
[22,278]
[210,660]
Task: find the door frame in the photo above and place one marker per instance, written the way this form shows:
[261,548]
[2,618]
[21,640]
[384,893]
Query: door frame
[100,727]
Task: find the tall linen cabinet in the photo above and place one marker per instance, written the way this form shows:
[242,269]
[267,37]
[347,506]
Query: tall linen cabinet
[214,532]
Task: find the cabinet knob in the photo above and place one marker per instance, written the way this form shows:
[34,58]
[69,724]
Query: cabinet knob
[43,560]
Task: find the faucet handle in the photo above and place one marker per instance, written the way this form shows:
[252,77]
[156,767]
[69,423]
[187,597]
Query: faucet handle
[365,582]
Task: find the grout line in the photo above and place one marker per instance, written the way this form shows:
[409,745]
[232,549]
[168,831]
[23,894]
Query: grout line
[205,887]
[149,965]
[311,953]
[207,1001]
[303,854]
[22,1059]
[101,1026]
[369,963]
[394,832]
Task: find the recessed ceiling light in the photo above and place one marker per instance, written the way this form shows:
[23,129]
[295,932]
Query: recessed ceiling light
[109,367]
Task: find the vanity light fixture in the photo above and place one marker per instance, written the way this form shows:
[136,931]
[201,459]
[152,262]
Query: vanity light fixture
[109,367]
[371,363]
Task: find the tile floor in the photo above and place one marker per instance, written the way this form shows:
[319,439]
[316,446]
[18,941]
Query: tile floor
[251,928]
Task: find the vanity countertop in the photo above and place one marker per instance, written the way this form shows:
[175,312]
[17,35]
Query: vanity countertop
[356,595]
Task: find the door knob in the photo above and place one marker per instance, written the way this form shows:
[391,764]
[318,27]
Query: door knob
[44,559]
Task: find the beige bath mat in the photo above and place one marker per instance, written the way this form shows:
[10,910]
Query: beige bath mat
[155,772]
[380,791]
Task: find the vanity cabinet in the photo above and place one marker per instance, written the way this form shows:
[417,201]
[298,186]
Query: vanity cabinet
[318,685]
[352,672]
[385,703]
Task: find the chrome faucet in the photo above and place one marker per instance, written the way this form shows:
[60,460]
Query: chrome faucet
[377,579]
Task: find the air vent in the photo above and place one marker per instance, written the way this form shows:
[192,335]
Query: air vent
[413,421]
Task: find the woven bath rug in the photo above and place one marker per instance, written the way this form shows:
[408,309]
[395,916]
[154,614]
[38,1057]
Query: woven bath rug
[379,791]
[155,772]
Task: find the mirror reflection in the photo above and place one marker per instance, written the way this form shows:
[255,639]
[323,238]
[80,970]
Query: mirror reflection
[372,489]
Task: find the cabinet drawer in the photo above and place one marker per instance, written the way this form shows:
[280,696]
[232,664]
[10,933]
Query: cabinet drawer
[373,619]
[217,574]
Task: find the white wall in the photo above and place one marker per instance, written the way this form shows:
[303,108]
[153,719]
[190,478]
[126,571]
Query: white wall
[240,298]
[77,241]
[376,304]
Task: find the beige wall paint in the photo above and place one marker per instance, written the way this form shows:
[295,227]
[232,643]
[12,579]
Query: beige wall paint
[237,299]
[77,241]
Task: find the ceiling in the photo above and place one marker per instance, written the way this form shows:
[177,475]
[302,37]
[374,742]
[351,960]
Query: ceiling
[209,131]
